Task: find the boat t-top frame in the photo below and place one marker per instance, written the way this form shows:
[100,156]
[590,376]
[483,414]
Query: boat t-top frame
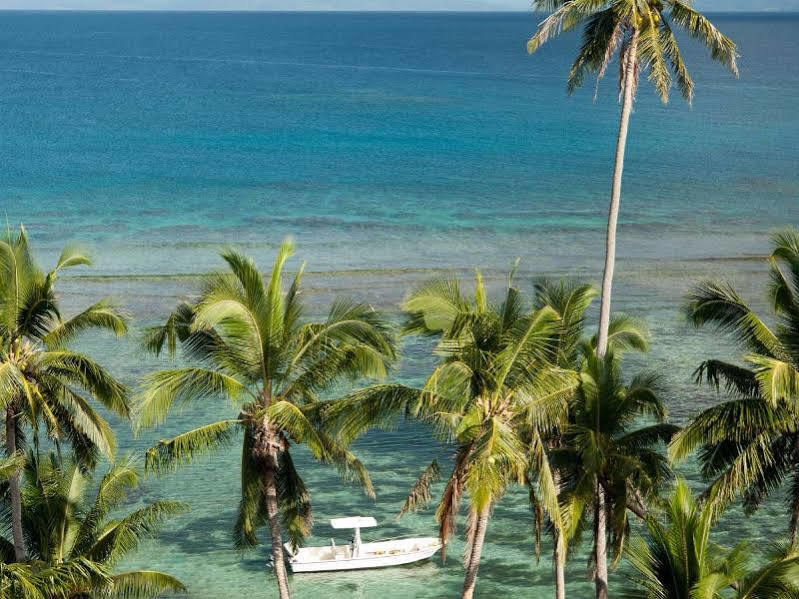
[356,523]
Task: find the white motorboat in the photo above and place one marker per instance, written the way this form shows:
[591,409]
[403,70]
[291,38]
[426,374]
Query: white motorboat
[358,555]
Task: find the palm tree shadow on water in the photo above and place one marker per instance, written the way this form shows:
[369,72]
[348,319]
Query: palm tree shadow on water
[199,534]
[360,583]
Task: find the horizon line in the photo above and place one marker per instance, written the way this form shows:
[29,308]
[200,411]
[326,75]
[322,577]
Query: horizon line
[362,10]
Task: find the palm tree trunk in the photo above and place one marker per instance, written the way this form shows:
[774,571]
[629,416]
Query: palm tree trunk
[558,558]
[13,487]
[473,564]
[559,563]
[615,194]
[600,543]
[270,496]
[266,444]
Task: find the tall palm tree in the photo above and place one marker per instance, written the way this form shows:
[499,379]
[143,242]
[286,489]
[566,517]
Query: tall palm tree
[640,32]
[676,559]
[68,529]
[749,445]
[494,396]
[250,342]
[611,463]
[41,379]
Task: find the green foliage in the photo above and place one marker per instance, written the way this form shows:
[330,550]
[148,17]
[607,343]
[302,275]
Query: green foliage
[251,344]
[496,389]
[676,558]
[615,26]
[605,442]
[419,496]
[43,381]
[749,444]
[73,540]
[600,436]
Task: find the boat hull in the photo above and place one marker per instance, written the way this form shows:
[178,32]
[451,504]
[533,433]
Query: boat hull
[373,555]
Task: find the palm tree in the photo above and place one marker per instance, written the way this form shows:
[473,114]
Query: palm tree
[677,559]
[574,467]
[569,300]
[250,343]
[609,462]
[37,580]
[41,379]
[641,32]
[749,445]
[494,396]
[67,530]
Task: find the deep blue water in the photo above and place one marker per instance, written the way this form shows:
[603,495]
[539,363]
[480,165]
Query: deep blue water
[389,146]
[170,130]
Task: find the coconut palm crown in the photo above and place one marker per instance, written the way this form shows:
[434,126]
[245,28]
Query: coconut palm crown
[749,445]
[71,532]
[609,458]
[676,558]
[605,444]
[43,383]
[250,344]
[641,32]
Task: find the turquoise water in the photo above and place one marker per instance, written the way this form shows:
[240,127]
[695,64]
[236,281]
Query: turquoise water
[393,147]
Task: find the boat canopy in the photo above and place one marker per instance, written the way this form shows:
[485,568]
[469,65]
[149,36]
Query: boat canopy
[353,522]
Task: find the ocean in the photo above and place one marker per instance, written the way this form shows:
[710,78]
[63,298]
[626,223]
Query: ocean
[393,147]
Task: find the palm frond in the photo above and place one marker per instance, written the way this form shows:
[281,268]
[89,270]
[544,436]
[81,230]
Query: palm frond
[447,511]
[671,51]
[648,436]
[182,449]
[736,421]
[600,37]
[350,468]
[288,417]
[181,385]
[294,501]
[651,54]
[251,512]
[176,328]
[83,372]
[565,17]
[778,380]
[644,395]
[12,382]
[101,315]
[293,308]
[784,289]
[722,48]
[70,257]
[717,303]
[419,495]
[378,406]
[85,420]
[121,477]
[736,379]
[143,584]
[124,536]
[10,465]
[433,307]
